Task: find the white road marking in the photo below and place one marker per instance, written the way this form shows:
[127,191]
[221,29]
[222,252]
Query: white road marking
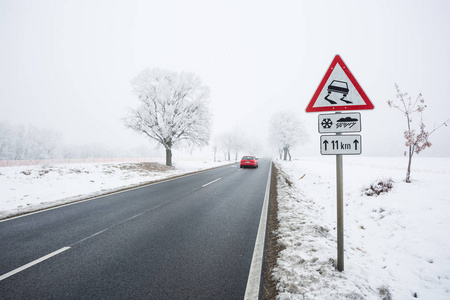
[254,276]
[211,182]
[35,262]
[121,222]
[91,236]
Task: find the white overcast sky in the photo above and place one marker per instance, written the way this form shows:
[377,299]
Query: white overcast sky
[67,65]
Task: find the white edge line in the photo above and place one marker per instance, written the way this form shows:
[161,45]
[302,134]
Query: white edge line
[35,262]
[211,182]
[254,276]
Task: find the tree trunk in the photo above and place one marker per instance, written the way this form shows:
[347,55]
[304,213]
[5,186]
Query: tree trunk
[285,153]
[408,171]
[229,155]
[168,157]
[411,151]
[280,151]
[289,153]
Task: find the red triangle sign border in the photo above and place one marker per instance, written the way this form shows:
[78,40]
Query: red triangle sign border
[338,60]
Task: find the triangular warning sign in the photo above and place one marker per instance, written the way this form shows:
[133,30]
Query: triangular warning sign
[339,90]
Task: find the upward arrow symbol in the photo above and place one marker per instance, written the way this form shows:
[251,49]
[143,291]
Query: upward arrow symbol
[325,143]
[356,144]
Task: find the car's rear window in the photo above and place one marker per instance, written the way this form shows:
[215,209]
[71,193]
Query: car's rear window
[247,158]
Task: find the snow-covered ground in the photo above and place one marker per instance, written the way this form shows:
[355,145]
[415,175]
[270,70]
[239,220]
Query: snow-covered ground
[28,188]
[397,244]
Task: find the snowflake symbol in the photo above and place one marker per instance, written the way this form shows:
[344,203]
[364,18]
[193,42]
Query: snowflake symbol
[326,123]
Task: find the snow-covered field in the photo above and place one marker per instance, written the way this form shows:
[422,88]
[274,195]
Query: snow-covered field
[397,244]
[28,188]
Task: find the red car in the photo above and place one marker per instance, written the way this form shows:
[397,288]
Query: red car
[249,161]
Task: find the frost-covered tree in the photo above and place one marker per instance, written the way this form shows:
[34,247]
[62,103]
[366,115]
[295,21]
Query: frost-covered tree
[239,142]
[172,109]
[231,142]
[416,141]
[6,141]
[27,142]
[225,142]
[286,131]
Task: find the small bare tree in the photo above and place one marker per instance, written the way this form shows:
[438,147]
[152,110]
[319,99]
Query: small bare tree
[415,141]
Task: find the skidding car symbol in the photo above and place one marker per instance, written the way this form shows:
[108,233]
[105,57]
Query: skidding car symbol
[338,86]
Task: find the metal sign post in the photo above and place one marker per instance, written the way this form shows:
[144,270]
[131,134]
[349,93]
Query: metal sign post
[340,211]
[339,145]
[339,91]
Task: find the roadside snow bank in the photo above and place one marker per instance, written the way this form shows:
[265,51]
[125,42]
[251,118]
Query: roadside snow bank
[28,188]
[396,244]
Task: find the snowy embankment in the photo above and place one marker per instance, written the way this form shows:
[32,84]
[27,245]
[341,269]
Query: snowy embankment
[397,244]
[29,188]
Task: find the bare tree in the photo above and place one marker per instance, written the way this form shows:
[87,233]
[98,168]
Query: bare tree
[172,109]
[286,131]
[416,142]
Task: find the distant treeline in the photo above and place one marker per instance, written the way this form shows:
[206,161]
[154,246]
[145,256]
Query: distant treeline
[19,142]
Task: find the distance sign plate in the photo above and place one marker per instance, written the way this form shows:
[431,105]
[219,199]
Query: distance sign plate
[340,144]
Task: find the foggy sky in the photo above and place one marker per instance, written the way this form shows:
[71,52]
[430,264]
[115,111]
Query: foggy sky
[68,65]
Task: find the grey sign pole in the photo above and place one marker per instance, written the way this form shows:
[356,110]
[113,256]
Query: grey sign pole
[340,212]
[340,209]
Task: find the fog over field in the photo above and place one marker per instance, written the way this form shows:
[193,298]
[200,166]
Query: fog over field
[67,66]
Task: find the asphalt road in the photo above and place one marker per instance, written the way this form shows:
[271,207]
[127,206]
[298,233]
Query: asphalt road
[179,239]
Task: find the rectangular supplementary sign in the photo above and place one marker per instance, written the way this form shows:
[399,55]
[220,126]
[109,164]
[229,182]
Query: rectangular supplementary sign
[340,144]
[337,123]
